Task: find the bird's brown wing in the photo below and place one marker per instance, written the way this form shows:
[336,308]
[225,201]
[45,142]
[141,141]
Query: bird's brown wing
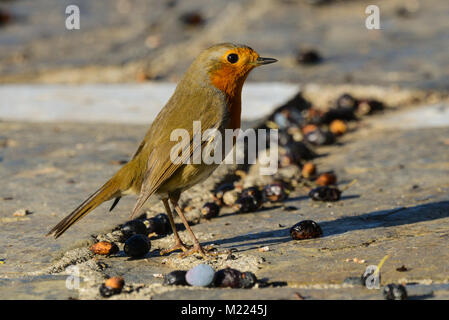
[159,165]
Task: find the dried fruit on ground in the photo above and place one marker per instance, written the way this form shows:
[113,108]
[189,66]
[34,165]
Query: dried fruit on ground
[159,224]
[175,278]
[112,286]
[308,170]
[274,192]
[320,137]
[326,179]
[306,229]
[232,278]
[210,210]
[137,246]
[104,248]
[228,278]
[325,193]
[338,127]
[133,227]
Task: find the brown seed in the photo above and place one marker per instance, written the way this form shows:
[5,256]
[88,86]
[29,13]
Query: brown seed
[308,170]
[338,127]
[326,179]
[104,248]
[115,283]
[309,128]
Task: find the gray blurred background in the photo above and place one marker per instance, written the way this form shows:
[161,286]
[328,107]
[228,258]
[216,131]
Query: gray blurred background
[141,40]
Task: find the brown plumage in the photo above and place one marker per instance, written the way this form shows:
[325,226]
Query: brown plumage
[209,92]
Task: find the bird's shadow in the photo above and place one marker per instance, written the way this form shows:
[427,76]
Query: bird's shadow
[383,218]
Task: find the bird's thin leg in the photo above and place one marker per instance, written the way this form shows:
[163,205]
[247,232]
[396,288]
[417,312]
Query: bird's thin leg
[178,243]
[196,244]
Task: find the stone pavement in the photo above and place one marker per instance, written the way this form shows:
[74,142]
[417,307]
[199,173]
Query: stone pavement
[399,206]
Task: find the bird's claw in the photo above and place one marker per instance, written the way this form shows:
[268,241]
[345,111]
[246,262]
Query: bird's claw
[177,246]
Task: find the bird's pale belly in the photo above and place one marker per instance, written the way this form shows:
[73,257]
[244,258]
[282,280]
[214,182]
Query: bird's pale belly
[186,177]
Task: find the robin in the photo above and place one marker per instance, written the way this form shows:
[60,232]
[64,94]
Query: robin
[209,92]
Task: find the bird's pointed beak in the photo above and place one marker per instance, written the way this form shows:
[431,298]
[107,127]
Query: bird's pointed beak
[261,61]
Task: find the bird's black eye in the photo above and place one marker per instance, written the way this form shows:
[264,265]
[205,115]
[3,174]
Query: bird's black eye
[233,58]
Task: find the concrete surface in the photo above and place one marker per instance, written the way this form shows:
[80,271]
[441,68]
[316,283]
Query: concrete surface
[399,206]
[119,103]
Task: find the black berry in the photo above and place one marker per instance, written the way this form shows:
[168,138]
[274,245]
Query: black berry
[248,280]
[210,210]
[306,229]
[228,278]
[159,224]
[320,137]
[175,278]
[137,246]
[325,193]
[274,192]
[133,227]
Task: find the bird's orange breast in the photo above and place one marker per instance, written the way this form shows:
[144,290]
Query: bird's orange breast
[230,81]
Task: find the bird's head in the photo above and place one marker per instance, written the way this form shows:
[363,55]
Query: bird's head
[227,65]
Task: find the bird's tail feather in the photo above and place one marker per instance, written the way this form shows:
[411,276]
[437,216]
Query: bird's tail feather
[106,192]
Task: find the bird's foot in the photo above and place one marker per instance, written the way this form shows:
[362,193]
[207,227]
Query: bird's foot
[178,246]
[197,248]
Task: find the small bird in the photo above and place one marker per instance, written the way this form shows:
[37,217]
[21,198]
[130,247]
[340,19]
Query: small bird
[209,92]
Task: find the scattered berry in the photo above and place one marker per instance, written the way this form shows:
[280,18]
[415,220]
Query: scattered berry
[200,276]
[247,204]
[112,286]
[394,292]
[133,227]
[159,224]
[368,107]
[228,278]
[210,210]
[308,170]
[338,127]
[320,137]
[325,193]
[306,229]
[104,248]
[137,246]
[346,101]
[299,151]
[326,179]
[175,278]
[274,192]
[248,280]
[231,278]
[309,128]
